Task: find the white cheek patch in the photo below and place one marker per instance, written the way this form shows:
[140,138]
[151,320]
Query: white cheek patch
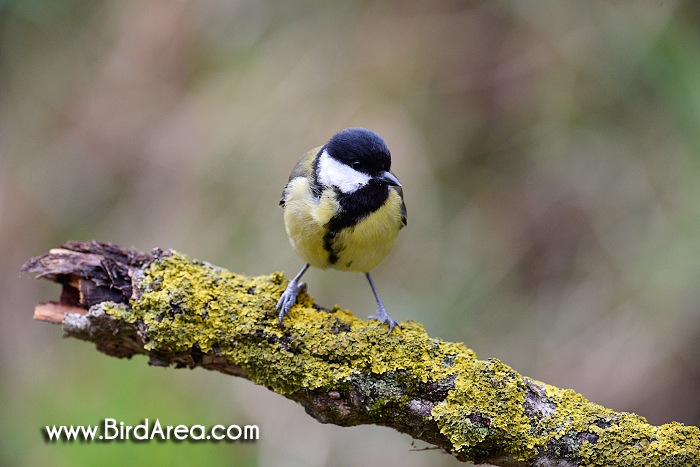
[334,173]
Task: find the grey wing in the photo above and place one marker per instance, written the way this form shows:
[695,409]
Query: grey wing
[303,168]
[399,190]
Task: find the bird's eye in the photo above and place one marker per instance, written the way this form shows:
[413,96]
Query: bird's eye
[357,165]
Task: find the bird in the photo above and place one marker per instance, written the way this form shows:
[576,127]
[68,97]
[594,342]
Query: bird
[343,209]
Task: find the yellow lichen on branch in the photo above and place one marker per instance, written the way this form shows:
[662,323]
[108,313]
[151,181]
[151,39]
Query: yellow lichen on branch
[185,304]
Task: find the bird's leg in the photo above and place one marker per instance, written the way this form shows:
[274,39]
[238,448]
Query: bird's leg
[289,296]
[381,315]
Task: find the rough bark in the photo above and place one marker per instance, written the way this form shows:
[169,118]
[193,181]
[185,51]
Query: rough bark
[342,369]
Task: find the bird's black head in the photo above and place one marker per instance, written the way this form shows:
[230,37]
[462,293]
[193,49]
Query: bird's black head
[361,149]
[353,159]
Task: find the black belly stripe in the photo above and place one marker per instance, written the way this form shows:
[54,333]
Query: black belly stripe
[328,245]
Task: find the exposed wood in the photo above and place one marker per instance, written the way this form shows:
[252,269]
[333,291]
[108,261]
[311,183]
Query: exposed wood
[53,312]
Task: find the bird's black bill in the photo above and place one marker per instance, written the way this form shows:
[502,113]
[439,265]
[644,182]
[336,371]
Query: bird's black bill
[387,178]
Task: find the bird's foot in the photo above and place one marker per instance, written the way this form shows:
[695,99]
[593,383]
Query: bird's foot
[383,317]
[288,298]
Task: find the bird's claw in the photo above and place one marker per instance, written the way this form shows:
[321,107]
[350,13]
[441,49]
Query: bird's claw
[288,299]
[383,317]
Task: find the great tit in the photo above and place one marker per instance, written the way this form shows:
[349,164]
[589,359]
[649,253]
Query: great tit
[343,209]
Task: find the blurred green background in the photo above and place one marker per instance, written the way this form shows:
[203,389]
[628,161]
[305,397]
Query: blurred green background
[550,156]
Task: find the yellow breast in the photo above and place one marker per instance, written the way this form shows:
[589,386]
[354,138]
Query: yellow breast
[358,248]
[365,245]
[304,219]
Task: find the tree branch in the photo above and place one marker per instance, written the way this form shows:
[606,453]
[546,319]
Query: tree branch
[342,369]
